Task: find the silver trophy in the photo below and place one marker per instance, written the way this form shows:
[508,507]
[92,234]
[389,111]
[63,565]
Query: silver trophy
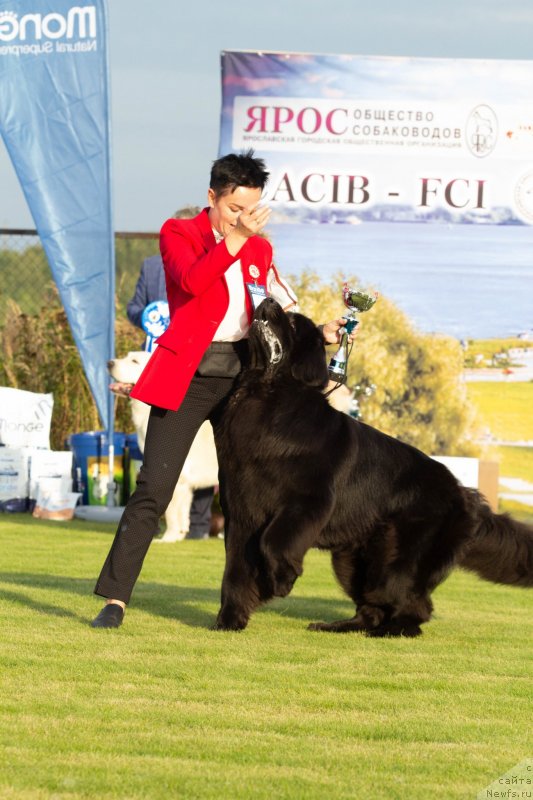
[357,302]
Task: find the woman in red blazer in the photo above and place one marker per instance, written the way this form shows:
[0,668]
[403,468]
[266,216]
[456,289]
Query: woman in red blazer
[217,270]
[197,291]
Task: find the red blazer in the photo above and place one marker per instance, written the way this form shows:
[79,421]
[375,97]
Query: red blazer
[198,299]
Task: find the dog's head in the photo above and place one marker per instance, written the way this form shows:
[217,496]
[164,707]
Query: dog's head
[287,343]
[128,369]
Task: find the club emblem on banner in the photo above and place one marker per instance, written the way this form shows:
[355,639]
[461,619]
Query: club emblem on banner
[481,131]
[523,197]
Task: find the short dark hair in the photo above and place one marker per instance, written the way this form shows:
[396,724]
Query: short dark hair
[234,170]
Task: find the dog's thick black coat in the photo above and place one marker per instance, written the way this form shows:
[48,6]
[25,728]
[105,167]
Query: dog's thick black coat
[300,474]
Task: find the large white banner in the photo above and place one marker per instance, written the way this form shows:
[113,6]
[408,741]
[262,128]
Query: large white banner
[444,146]
[408,139]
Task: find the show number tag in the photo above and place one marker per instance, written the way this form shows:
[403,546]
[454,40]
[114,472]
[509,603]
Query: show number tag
[257,293]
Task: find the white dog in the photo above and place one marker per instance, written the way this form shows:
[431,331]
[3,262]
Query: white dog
[200,469]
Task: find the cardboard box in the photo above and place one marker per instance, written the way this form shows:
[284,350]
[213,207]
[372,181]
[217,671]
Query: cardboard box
[476,474]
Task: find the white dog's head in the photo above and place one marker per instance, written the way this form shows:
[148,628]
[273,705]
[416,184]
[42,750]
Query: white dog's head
[128,368]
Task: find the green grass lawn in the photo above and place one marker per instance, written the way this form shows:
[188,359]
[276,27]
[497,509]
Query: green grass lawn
[520,511]
[167,708]
[489,347]
[505,408]
[516,461]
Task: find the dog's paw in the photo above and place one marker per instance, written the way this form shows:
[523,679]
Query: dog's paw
[320,626]
[409,629]
[172,536]
[339,626]
[282,583]
[282,575]
[230,621]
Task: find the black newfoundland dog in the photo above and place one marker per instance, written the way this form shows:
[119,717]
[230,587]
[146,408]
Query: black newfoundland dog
[300,474]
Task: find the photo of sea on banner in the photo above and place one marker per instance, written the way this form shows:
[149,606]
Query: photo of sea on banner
[516,783]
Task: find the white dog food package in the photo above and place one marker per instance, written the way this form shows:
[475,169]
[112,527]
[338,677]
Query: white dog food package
[14,478]
[49,464]
[25,418]
[54,500]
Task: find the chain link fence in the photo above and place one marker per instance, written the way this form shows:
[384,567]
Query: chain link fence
[25,276]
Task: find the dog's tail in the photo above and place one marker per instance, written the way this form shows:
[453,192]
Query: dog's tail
[501,549]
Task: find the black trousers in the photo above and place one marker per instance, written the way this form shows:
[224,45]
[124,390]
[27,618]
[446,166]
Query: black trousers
[169,437]
[200,513]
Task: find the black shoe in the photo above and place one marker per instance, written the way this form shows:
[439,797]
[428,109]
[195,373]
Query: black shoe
[110,616]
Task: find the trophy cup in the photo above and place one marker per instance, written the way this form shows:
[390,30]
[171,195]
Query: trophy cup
[356,302]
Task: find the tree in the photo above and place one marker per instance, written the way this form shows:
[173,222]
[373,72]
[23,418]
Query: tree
[39,355]
[187,212]
[419,396]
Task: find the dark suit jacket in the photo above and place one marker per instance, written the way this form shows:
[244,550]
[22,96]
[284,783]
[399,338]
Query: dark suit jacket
[150,287]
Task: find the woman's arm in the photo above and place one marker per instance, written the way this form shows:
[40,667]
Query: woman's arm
[191,272]
[196,273]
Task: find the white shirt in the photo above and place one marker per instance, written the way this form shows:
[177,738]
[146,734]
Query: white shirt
[235,324]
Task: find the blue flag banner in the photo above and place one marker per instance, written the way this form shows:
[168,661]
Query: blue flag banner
[54,120]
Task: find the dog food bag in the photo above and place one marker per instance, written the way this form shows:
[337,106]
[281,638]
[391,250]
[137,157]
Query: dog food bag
[49,464]
[25,418]
[14,479]
[54,501]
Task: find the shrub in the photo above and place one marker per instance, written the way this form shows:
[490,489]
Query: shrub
[418,394]
[40,356]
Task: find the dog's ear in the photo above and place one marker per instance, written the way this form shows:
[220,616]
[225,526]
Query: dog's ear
[308,358]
